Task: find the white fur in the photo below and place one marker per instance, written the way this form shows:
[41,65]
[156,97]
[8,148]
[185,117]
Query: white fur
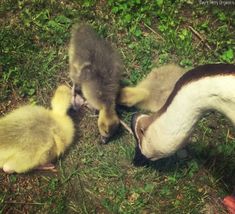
[169,132]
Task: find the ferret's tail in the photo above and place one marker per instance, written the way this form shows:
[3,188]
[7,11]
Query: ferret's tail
[61,100]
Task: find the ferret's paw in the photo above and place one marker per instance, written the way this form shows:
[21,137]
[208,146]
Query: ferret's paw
[77,102]
[8,169]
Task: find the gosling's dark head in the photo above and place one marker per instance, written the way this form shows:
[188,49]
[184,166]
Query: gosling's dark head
[108,127]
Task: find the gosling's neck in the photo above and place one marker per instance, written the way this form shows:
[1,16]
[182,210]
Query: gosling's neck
[187,103]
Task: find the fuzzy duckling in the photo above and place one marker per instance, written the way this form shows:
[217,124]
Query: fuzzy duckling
[32,136]
[95,69]
[151,93]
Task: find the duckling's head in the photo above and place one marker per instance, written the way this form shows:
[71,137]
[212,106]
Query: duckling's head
[107,126]
[61,100]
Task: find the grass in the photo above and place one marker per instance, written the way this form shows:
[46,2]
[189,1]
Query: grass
[94,178]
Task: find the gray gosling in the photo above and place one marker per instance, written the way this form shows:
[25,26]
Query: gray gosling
[94,69]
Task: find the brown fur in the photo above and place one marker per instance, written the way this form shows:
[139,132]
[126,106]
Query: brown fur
[195,74]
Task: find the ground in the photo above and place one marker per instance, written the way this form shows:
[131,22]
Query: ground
[96,178]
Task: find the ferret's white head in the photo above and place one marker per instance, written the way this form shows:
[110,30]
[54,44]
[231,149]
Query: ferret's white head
[139,125]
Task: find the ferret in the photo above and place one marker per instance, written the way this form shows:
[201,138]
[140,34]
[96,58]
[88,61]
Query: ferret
[204,88]
[94,69]
[151,93]
[32,136]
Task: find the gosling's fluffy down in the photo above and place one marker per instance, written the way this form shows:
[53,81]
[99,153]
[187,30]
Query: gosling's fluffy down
[31,136]
[151,93]
[95,69]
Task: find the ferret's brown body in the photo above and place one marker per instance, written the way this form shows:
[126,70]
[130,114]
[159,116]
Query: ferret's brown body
[31,136]
[95,70]
[151,93]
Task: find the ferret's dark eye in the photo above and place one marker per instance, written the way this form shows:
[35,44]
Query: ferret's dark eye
[142,131]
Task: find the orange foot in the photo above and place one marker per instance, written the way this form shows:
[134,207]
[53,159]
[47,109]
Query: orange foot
[47,167]
[229,202]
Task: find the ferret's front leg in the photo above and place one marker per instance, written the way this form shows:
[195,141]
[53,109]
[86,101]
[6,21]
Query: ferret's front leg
[77,100]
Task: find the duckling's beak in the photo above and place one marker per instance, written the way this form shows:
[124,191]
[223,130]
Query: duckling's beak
[104,140]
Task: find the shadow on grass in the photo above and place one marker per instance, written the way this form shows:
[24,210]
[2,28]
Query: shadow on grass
[221,166]
[164,164]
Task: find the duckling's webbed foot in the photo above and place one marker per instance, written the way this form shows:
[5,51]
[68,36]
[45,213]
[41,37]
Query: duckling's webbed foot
[47,167]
